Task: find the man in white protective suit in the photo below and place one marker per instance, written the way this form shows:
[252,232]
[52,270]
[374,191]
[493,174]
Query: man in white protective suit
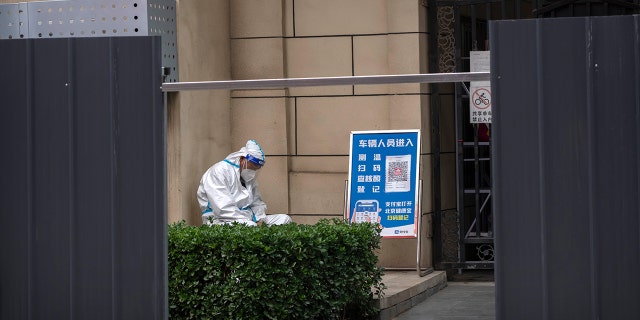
[228,191]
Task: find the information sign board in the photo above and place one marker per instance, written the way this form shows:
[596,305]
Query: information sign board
[480,91]
[383,180]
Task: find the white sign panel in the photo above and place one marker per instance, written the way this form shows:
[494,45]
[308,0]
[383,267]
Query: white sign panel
[480,91]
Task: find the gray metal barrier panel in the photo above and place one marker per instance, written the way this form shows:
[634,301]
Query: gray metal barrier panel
[83,209]
[566,163]
[95,18]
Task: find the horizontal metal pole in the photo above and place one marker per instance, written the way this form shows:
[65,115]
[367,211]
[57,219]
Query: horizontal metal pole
[463,2]
[466,265]
[326,81]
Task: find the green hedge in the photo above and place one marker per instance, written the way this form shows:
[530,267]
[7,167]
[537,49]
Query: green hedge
[321,271]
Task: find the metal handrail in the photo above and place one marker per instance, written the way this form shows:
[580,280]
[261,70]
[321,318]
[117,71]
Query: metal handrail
[326,81]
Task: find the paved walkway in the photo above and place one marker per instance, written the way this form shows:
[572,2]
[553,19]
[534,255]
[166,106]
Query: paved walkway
[457,301]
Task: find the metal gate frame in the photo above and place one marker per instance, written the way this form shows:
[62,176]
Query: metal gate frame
[462,26]
[460,29]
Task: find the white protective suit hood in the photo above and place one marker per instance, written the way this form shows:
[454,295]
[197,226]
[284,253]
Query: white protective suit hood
[221,195]
[251,148]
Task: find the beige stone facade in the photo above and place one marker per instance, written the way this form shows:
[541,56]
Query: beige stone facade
[304,130]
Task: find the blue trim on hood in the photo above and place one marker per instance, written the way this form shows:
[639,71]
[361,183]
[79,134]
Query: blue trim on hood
[231,163]
[255,160]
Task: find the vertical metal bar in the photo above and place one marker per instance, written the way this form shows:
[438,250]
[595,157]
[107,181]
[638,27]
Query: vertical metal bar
[458,106]
[346,204]
[541,169]
[489,220]
[435,160]
[476,178]
[490,195]
[115,298]
[636,24]
[70,83]
[503,5]
[518,9]
[419,270]
[591,151]
[30,70]
[474,20]
[165,222]
[459,124]
[488,18]
[489,225]
[295,125]
[476,166]
[435,124]
[419,222]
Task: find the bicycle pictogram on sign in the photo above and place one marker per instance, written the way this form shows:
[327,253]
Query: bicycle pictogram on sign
[481,98]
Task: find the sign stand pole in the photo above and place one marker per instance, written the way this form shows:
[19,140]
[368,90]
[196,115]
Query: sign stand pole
[419,222]
[344,208]
[419,246]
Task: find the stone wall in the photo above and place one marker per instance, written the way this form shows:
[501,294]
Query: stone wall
[304,130]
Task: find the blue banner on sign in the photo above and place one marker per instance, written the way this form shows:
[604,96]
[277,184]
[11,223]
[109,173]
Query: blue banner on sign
[383,180]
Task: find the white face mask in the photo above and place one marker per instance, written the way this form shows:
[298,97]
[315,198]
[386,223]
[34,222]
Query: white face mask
[248,174]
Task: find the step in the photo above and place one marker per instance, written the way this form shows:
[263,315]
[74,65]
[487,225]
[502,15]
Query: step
[406,289]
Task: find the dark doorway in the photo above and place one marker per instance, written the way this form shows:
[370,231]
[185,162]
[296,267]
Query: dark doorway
[463,232]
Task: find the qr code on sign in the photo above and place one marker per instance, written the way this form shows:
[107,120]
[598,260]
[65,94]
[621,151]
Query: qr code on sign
[398,173]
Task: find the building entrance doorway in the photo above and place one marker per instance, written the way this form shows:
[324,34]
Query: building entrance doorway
[463,229]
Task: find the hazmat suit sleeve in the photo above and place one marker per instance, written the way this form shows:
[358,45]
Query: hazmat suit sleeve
[258,206]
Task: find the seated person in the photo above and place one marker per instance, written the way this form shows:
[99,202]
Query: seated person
[228,191]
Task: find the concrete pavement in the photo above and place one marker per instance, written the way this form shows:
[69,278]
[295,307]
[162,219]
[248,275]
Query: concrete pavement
[458,300]
[468,295]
